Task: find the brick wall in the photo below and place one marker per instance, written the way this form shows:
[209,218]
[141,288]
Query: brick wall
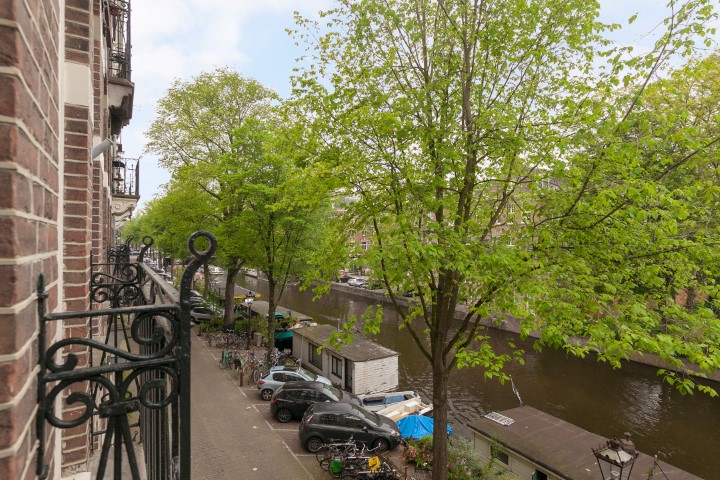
[29,175]
[81,111]
[54,206]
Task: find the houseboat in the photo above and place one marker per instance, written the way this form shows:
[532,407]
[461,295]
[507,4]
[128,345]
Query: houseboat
[533,444]
[361,367]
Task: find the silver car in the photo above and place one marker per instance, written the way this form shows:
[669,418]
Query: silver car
[279,375]
[203,313]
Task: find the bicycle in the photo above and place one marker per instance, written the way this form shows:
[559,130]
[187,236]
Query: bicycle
[368,464]
[333,450]
[226,358]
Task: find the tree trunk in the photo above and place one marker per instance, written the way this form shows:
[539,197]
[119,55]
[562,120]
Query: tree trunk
[229,314]
[206,280]
[440,416]
[271,316]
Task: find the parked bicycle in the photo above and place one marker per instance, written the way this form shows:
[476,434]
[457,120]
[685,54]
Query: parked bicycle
[227,358]
[345,460]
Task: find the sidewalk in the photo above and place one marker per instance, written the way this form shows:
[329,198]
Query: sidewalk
[233,434]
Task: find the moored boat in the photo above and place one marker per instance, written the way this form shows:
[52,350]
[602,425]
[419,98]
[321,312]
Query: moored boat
[378,401]
[412,406]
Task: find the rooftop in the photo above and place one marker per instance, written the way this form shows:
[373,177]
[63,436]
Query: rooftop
[361,350]
[561,447]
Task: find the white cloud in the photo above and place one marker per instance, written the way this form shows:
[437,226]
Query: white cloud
[179,39]
[174,39]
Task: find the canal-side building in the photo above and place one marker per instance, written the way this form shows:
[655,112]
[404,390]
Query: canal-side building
[65,95]
[360,367]
[531,444]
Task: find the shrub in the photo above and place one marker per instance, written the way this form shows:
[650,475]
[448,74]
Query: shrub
[419,452]
[463,461]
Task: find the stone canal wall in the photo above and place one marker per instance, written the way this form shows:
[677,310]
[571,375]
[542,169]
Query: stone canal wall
[510,324]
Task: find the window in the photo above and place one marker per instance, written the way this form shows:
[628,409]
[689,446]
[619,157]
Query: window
[309,396]
[363,245]
[321,397]
[314,357]
[353,422]
[336,366]
[498,454]
[538,475]
[502,457]
[330,419]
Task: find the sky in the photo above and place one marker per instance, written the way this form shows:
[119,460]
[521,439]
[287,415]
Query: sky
[179,39]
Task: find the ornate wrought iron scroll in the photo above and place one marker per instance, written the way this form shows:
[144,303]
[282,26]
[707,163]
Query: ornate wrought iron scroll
[146,373]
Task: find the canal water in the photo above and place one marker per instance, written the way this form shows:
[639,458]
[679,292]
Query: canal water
[681,430]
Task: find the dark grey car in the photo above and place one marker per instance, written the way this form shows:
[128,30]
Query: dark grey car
[334,421]
[293,398]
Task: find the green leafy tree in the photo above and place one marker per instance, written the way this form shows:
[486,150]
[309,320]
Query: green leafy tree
[201,134]
[285,209]
[487,143]
[225,138]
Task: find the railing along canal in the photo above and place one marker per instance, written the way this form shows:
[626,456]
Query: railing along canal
[137,372]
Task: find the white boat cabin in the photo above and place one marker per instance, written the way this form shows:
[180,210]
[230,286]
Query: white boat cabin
[361,367]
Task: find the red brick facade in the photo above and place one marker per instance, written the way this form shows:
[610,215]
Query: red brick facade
[54,208]
[30,134]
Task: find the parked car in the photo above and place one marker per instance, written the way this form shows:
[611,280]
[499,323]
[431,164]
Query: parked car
[277,376]
[202,313]
[215,270]
[293,398]
[196,298]
[334,421]
[358,282]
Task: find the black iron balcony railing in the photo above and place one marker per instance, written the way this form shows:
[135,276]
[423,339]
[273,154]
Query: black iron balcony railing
[126,176]
[117,24]
[141,377]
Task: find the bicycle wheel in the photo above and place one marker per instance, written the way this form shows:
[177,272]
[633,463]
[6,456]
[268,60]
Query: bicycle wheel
[323,456]
[255,375]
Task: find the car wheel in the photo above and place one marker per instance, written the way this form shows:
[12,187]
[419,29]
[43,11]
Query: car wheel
[283,415]
[381,444]
[266,394]
[313,444]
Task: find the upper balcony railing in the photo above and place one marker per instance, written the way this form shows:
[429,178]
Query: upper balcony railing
[126,176]
[117,24]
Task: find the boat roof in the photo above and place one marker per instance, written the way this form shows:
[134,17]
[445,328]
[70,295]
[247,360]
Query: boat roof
[361,350]
[558,446]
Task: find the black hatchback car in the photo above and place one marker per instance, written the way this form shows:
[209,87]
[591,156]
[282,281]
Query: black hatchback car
[293,398]
[328,422]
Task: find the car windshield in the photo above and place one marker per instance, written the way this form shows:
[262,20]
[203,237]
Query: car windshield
[309,374]
[333,391]
[369,416]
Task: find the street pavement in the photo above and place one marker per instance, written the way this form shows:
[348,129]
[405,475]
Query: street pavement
[233,434]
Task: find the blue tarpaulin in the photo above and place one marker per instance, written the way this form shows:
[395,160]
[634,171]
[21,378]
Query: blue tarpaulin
[418,426]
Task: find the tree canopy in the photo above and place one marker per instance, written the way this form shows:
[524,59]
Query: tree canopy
[505,157]
[225,138]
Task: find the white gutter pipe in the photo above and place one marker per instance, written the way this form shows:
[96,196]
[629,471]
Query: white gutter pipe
[98,149]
